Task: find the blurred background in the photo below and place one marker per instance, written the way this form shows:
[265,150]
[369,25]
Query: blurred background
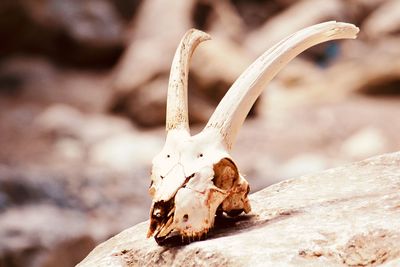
[82,105]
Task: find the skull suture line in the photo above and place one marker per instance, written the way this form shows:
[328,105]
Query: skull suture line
[194,177]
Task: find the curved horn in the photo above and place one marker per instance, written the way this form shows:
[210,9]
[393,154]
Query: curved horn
[234,107]
[177,107]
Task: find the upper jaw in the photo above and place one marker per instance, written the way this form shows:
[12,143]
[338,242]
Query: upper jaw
[162,216]
[161,213]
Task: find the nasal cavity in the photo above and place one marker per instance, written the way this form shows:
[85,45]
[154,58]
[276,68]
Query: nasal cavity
[185,218]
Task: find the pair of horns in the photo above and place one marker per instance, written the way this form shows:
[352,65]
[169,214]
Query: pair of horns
[231,112]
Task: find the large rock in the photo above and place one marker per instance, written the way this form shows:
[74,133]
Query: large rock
[55,216]
[343,216]
[74,32]
[34,236]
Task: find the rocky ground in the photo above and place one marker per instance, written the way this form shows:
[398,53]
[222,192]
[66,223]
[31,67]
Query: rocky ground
[82,106]
[346,216]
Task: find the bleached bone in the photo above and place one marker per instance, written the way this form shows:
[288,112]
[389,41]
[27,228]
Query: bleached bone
[194,178]
[177,107]
[234,107]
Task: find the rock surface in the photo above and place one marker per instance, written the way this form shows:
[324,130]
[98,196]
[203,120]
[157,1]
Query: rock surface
[32,240]
[343,216]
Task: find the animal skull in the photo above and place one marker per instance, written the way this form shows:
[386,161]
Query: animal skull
[194,178]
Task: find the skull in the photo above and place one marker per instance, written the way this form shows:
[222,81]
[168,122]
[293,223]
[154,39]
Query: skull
[194,178]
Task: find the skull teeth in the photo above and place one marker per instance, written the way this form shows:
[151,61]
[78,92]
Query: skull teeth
[167,228]
[194,236]
[171,212]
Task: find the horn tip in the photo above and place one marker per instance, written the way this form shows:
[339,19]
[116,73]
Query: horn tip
[198,34]
[346,30]
[349,26]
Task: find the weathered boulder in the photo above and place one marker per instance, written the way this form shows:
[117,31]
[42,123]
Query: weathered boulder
[88,33]
[33,235]
[343,216]
[55,216]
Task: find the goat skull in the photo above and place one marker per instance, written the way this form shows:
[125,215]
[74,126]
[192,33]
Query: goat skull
[194,177]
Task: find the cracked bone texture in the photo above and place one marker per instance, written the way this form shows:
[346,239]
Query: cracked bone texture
[184,171]
[347,216]
[199,158]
